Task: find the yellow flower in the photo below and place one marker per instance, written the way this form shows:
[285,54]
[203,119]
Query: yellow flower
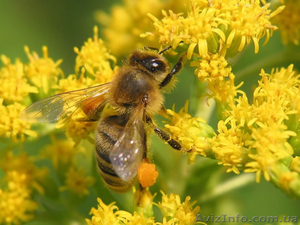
[78,130]
[96,59]
[200,28]
[24,165]
[212,67]
[139,219]
[259,126]
[190,131]
[214,70]
[290,182]
[249,21]
[173,210]
[143,201]
[258,137]
[223,91]
[121,38]
[11,126]
[107,214]
[77,181]
[295,165]
[224,27]
[72,83]
[15,203]
[61,152]
[182,213]
[42,72]
[228,145]
[14,86]
[288,22]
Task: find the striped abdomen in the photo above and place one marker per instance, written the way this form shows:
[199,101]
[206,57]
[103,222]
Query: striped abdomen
[108,131]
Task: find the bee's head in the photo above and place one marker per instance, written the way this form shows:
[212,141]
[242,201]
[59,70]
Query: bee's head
[151,62]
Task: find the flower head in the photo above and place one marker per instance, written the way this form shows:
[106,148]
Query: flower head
[11,126]
[61,152]
[215,71]
[24,165]
[77,181]
[179,212]
[143,200]
[295,165]
[224,27]
[107,214]
[16,206]
[288,22]
[42,72]
[249,21]
[174,212]
[255,137]
[78,130]
[199,29]
[190,131]
[14,85]
[290,183]
[73,82]
[96,59]
[123,37]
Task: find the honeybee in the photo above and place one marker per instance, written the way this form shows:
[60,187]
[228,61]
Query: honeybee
[121,138]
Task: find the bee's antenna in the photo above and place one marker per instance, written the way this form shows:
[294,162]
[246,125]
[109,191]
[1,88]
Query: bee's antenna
[165,49]
[150,48]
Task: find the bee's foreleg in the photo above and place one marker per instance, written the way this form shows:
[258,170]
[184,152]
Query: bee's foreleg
[177,67]
[165,136]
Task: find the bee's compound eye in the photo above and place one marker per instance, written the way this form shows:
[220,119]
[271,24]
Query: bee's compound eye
[155,66]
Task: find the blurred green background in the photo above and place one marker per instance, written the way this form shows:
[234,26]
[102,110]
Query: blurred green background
[62,25]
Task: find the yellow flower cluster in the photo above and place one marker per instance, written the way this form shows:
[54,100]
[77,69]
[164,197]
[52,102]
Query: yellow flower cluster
[94,59]
[22,176]
[174,212]
[14,85]
[177,212]
[61,152]
[77,181]
[11,126]
[40,78]
[288,21]
[23,164]
[15,203]
[42,72]
[14,89]
[121,38]
[192,132]
[214,70]
[223,27]
[261,137]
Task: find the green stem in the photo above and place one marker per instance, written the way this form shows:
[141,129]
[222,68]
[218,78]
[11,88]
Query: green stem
[275,60]
[227,186]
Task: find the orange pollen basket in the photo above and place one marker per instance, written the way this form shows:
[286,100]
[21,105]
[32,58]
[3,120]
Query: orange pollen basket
[147,174]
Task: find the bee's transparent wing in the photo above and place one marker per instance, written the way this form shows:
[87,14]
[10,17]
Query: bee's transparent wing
[62,106]
[128,152]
